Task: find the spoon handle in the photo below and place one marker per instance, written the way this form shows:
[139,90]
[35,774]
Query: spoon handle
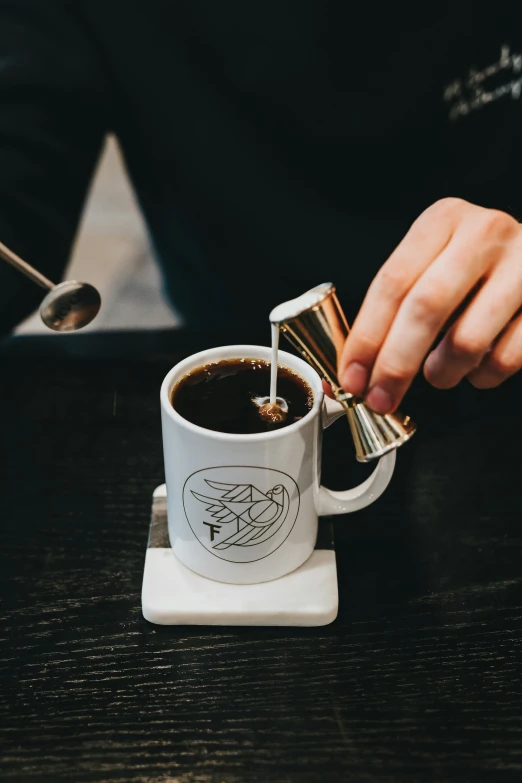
[25,268]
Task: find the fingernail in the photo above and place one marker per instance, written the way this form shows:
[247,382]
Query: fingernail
[355,378]
[379,400]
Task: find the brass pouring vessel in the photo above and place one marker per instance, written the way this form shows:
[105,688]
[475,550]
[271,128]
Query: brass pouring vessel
[318,329]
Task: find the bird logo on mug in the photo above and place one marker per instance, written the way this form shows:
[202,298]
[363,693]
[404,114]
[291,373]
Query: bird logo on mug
[241,514]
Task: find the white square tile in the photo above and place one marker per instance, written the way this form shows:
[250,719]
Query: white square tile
[174,595]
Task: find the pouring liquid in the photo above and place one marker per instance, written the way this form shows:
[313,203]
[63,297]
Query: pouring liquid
[273,367]
[273,409]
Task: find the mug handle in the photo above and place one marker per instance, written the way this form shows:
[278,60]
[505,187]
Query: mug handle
[330,502]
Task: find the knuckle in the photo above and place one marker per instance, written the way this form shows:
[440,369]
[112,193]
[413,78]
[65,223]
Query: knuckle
[428,301]
[446,207]
[393,372]
[464,345]
[367,344]
[496,224]
[393,281]
[504,363]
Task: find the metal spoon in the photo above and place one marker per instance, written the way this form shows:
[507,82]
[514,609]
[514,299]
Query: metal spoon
[68,306]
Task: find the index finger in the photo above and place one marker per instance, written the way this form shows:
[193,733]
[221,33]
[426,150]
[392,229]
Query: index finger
[426,239]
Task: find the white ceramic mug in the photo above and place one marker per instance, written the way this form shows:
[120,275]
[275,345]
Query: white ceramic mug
[244,508]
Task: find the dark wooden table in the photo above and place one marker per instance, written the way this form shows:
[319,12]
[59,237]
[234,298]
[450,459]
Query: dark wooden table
[419,678]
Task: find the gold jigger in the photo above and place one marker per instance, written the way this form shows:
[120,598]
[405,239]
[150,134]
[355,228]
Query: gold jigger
[315,324]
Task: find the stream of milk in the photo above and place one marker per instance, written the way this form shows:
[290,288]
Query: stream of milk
[273,366]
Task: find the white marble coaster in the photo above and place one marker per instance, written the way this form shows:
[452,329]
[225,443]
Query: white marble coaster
[174,595]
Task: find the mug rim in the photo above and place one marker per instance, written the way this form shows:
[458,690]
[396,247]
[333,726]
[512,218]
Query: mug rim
[242,351]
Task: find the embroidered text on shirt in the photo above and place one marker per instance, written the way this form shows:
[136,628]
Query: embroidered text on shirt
[475,91]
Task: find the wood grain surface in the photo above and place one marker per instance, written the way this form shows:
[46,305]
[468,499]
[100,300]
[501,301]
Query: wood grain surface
[419,678]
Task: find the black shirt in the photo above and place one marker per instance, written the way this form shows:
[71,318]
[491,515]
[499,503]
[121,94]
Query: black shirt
[272,146]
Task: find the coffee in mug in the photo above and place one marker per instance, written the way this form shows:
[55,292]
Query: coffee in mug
[224,396]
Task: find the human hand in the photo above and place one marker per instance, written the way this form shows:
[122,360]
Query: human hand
[457,261]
